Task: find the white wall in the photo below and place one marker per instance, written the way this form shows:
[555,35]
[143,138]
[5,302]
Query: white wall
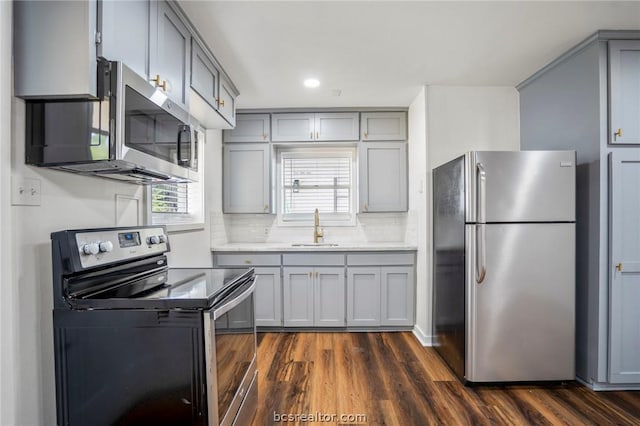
[458,119]
[192,249]
[419,213]
[7,336]
[462,119]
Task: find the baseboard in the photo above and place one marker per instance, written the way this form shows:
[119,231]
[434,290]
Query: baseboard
[599,386]
[423,338]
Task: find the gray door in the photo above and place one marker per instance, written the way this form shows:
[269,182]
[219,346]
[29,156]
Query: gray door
[520,317]
[624,91]
[521,186]
[329,295]
[624,308]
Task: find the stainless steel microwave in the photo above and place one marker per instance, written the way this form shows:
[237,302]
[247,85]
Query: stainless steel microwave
[132,132]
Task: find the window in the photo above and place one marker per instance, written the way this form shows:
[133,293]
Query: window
[178,205]
[320,179]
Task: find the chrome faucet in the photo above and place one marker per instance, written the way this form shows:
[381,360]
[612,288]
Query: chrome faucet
[317,233]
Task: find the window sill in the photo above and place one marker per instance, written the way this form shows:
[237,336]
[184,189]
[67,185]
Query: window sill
[182,227]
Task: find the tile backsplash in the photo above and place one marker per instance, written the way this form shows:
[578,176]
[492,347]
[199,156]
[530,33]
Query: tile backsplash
[259,228]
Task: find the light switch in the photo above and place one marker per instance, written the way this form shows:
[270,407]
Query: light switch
[25,191]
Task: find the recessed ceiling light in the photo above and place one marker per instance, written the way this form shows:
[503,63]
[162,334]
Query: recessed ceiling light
[311,83]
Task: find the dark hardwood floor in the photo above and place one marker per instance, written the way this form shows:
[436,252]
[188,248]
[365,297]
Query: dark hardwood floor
[390,379]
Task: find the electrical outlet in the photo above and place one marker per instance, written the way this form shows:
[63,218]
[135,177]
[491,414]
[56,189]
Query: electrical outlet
[266,231]
[25,191]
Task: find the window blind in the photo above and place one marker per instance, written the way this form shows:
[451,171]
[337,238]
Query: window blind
[311,181]
[170,198]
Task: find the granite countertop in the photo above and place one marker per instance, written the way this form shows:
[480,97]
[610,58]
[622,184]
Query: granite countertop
[327,247]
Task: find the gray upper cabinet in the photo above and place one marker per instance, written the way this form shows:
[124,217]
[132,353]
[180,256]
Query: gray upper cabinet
[296,127]
[246,178]
[383,177]
[125,33]
[336,126]
[205,76]
[170,52]
[624,91]
[249,128]
[54,49]
[227,101]
[302,127]
[384,126]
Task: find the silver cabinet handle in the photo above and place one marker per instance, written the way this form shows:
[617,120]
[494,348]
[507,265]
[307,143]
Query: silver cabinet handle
[481,267]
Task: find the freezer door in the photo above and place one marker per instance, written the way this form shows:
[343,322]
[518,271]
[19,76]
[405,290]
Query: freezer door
[520,186]
[521,314]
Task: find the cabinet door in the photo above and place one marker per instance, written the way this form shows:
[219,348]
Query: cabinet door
[246,178]
[169,58]
[249,128]
[205,77]
[336,126]
[363,296]
[296,127]
[125,34]
[624,88]
[383,177]
[227,101]
[397,297]
[298,297]
[624,325]
[384,126]
[268,297]
[329,296]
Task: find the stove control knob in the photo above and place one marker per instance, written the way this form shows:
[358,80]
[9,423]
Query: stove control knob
[162,238]
[153,240]
[106,246]
[91,248]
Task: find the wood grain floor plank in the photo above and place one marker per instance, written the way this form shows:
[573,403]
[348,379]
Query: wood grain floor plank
[392,380]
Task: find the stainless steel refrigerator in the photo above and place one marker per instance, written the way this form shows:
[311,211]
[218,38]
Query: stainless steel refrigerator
[504,265]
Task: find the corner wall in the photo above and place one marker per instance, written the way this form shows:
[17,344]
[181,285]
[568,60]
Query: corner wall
[457,120]
[8,342]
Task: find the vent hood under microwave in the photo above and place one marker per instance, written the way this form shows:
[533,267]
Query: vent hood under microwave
[132,132]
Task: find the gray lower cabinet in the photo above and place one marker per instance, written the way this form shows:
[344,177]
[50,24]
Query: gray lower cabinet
[398,299]
[268,297]
[246,178]
[363,296]
[314,297]
[380,296]
[383,191]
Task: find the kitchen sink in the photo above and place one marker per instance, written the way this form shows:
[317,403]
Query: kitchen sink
[314,245]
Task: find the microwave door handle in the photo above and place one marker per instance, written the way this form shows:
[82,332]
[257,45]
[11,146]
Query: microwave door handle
[180,145]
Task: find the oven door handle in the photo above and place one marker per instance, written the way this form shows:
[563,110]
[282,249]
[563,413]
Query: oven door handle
[220,311]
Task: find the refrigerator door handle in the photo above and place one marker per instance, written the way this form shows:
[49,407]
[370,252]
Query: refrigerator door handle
[481,267]
[481,193]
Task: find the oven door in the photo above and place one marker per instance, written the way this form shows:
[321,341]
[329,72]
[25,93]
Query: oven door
[231,357]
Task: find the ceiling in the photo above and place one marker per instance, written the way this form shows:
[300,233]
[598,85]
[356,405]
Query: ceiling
[379,53]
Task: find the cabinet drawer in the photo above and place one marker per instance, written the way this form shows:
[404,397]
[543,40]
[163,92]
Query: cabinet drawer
[313,259]
[244,259]
[377,259]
